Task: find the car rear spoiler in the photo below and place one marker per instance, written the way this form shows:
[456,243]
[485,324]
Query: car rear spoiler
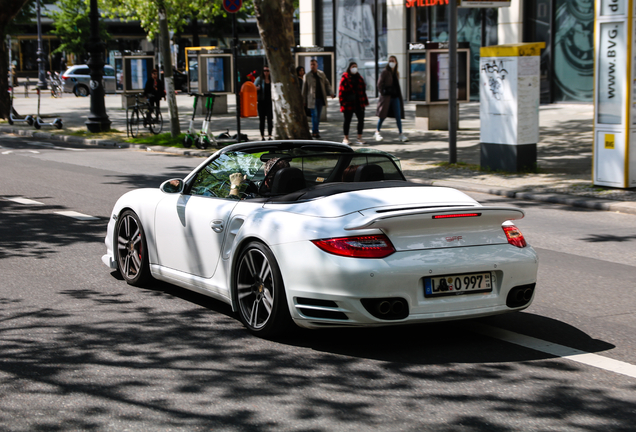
[379,218]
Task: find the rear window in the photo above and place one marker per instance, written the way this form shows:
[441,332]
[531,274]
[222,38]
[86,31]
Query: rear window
[81,71]
[109,72]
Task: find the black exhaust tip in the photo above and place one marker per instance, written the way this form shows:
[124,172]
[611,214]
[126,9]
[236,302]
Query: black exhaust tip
[520,295]
[390,308]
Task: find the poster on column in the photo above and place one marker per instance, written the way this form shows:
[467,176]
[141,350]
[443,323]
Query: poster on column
[497,93]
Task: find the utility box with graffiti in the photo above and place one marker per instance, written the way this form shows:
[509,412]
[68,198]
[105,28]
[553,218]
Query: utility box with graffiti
[509,92]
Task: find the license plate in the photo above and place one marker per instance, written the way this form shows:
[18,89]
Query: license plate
[468,283]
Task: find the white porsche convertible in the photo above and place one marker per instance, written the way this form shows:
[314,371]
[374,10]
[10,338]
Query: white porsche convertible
[317,234]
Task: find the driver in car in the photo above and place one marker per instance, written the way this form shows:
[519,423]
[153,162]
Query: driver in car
[270,169]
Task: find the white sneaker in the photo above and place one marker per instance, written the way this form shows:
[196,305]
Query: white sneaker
[378,137]
[346,141]
[403,138]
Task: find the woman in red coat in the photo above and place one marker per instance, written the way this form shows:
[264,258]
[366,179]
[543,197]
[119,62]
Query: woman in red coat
[353,98]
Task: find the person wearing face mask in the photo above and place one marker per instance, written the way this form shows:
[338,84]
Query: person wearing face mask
[390,103]
[353,98]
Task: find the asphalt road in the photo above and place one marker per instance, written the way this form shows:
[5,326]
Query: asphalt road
[81,350]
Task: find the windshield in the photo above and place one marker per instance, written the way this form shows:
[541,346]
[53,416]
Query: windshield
[279,172]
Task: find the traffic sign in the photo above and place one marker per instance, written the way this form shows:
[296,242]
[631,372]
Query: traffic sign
[232,6]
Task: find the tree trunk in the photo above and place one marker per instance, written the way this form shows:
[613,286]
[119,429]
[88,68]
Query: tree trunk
[275,25]
[164,43]
[5,102]
[8,10]
[195,31]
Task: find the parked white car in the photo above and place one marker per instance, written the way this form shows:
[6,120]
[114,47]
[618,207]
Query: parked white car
[321,235]
[76,79]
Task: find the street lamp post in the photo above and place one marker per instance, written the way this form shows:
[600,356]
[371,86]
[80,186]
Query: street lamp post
[39,54]
[98,120]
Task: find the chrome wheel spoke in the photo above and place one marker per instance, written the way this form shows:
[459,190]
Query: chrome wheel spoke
[265,270]
[254,314]
[249,262]
[268,302]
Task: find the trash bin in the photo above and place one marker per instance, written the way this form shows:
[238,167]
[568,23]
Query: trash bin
[249,100]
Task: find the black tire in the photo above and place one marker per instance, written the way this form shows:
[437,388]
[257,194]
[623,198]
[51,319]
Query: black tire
[29,120]
[156,122]
[259,292]
[9,120]
[132,250]
[58,124]
[133,124]
[36,124]
[81,91]
[187,141]
[198,141]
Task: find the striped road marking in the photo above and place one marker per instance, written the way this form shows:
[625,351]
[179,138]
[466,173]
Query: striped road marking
[76,215]
[24,201]
[562,351]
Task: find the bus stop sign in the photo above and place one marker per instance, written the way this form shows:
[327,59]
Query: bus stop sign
[232,6]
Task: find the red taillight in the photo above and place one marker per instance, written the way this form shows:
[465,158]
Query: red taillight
[514,236]
[371,246]
[64,77]
[457,215]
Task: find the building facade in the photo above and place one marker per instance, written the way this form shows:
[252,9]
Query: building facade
[368,31]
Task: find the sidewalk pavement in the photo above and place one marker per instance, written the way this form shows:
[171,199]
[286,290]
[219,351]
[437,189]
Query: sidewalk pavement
[564,153]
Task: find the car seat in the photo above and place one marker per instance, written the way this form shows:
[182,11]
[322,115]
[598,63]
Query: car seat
[365,173]
[288,180]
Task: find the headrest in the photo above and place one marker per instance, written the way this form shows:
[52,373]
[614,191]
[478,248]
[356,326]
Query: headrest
[288,180]
[366,173]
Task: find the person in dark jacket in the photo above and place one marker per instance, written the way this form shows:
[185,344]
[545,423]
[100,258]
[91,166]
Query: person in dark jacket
[154,90]
[390,103]
[316,89]
[352,93]
[265,112]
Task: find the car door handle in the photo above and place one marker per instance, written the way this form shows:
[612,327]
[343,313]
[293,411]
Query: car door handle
[217,226]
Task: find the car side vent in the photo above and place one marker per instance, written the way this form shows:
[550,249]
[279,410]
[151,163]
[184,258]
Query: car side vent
[318,308]
[316,302]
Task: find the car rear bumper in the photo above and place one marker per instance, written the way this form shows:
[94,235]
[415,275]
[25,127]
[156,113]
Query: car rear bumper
[325,290]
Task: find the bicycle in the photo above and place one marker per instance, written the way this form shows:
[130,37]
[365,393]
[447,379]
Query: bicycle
[55,84]
[152,118]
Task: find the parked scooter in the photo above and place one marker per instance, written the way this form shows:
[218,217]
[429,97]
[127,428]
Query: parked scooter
[38,120]
[205,137]
[191,135]
[14,117]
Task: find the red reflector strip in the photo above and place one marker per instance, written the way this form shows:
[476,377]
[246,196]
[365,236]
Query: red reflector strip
[458,215]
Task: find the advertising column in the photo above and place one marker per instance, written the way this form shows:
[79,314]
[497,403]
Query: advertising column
[509,110]
[614,102]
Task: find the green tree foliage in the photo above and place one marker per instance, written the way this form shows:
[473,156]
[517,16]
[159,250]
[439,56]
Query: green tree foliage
[178,12]
[72,25]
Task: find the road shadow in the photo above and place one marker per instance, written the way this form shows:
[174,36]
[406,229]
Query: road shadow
[165,358]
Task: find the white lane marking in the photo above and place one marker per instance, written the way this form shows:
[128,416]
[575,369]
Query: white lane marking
[76,215]
[49,145]
[7,152]
[29,151]
[24,201]
[562,351]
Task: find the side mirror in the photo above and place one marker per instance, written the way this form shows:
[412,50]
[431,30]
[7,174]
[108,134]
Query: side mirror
[172,186]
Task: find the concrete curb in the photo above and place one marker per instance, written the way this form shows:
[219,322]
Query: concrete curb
[570,200]
[627,207]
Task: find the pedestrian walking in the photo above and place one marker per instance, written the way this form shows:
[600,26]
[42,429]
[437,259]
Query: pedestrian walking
[352,94]
[300,74]
[316,88]
[14,76]
[264,102]
[390,103]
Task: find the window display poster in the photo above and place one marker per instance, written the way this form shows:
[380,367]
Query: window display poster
[216,74]
[137,72]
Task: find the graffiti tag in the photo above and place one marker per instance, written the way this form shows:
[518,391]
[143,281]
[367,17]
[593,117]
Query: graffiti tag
[496,74]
